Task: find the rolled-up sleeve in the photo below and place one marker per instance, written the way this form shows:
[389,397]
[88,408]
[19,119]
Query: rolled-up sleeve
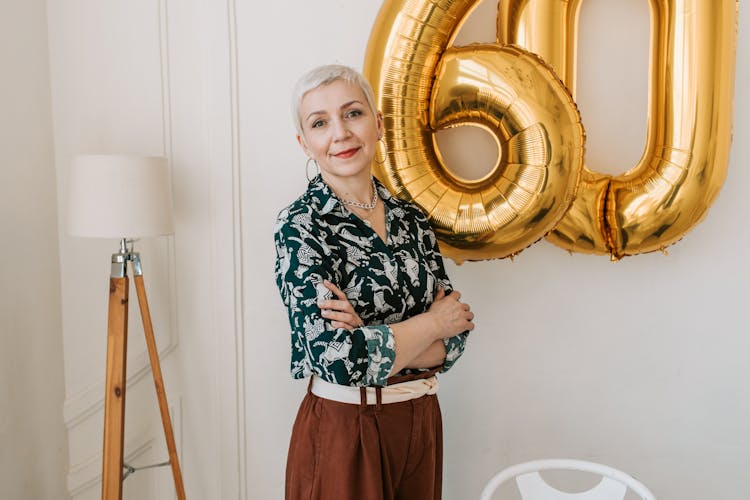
[361,357]
[454,346]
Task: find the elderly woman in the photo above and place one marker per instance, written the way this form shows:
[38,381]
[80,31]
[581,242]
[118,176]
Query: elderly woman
[372,312]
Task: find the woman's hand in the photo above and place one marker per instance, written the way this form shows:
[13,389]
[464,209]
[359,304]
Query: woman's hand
[451,316]
[339,312]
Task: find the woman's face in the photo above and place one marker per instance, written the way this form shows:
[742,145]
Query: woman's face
[339,130]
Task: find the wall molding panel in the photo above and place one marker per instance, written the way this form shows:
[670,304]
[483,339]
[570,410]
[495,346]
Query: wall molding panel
[87,473]
[84,404]
[91,401]
[227,241]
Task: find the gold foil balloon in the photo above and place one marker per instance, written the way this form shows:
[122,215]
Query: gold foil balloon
[686,154]
[422,86]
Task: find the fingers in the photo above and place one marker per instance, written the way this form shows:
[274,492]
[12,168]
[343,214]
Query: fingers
[342,304]
[469,321]
[336,290]
[464,315]
[455,316]
[456,295]
[339,316]
[342,320]
[336,305]
[340,312]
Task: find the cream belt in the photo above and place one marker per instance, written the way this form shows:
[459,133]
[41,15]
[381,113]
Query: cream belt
[395,393]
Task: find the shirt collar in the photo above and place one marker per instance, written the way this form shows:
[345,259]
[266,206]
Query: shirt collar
[325,201]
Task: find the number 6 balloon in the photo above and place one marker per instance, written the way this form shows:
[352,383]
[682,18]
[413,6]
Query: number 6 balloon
[422,86]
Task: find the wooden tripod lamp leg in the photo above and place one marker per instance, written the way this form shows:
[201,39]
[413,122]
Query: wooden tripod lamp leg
[161,393]
[114,398]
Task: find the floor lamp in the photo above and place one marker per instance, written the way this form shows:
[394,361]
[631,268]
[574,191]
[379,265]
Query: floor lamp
[123,197]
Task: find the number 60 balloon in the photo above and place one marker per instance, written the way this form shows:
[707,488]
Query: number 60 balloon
[648,208]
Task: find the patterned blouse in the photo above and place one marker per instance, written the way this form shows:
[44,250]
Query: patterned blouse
[317,238]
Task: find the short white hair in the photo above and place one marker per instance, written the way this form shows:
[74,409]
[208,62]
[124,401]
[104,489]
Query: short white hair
[325,75]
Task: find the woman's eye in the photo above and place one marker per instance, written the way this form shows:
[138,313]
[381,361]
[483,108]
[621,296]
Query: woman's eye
[353,113]
[318,123]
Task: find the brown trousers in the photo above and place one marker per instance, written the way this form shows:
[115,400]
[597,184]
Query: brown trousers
[341,451]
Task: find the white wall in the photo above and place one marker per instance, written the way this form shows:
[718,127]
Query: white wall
[33,443]
[637,364]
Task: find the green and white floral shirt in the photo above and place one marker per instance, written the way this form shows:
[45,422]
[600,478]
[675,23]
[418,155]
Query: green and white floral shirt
[317,238]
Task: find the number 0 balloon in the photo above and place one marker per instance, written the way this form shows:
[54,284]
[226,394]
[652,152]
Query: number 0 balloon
[685,160]
[422,84]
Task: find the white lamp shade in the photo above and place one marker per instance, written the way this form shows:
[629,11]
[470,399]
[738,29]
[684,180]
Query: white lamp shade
[119,196]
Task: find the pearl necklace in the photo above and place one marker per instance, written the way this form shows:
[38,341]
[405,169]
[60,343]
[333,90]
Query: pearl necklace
[366,206]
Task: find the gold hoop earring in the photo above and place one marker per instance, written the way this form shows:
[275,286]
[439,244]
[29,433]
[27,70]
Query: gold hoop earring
[385,152]
[307,169]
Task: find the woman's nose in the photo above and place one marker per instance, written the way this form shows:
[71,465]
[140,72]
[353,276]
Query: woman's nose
[339,129]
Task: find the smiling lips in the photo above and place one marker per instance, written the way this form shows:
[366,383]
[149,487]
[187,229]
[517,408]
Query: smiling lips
[348,153]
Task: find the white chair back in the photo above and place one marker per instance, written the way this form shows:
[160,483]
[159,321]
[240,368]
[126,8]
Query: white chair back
[613,485]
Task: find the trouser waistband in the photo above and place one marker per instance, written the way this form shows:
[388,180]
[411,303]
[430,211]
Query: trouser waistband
[395,393]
